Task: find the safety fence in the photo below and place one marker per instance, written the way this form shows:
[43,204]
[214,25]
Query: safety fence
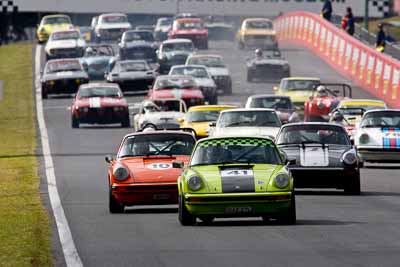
[375,72]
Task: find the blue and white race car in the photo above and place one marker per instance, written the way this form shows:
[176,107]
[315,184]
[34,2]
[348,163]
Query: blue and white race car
[378,136]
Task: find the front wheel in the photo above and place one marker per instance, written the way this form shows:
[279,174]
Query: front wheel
[74,122]
[185,218]
[44,93]
[114,206]
[353,186]
[289,217]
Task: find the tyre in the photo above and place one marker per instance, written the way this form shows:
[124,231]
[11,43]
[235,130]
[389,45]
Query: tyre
[74,122]
[289,218]
[114,206]
[353,186]
[185,218]
[126,123]
[44,93]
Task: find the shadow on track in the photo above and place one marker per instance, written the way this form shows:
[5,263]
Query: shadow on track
[246,223]
[151,210]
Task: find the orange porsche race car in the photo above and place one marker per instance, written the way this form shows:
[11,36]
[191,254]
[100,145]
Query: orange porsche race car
[142,173]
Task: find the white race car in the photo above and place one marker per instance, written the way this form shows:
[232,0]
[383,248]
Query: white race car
[378,137]
[246,122]
[65,44]
[110,27]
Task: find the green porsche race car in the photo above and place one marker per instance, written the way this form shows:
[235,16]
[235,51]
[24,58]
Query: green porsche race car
[236,177]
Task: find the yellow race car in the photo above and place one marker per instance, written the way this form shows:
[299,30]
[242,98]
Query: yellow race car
[299,89]
[199,117]
[257,33]
[50,24]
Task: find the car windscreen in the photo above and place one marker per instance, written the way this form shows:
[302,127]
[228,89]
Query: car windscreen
[278,103]
[184,46]
[207,61]
[157,144]
[202,116]
[99,51]
[174,83]
[313,134]
[381,119]
[299,84]
[65,65]
[235,150]
[57,20]
[139,52]
[114,19]
[131,66]
[138,36]
[101,91]
[168,105]
[363,107]
[165,22]
[259,24]
[196,72]
[248,119]
[58,36]
[188,25]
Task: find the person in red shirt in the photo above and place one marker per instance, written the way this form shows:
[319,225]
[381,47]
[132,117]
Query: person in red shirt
[348,21]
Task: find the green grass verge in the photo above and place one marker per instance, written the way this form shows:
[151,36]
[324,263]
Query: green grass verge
[24,223]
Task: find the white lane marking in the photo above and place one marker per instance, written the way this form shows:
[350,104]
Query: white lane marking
[71,255]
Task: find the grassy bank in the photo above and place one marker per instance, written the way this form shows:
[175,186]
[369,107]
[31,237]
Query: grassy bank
[24,223]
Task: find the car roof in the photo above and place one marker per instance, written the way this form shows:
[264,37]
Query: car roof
[211,107]
[63,60]
[70,30]
[99,84]
[139,43]
[178,40]
[113,14]
[365,101]
[159,132]
[248,109]
[56,16]
[205,55]
[189,66]
[235,136]
[174,77]
[301,78]
[312,123]
[188,20]
[269,96]
[255,19]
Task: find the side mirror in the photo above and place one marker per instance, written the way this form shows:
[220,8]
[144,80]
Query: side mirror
[275,88]
[109,159]
[212,124]
[178,164]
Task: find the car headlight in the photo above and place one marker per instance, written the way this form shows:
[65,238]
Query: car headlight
[195,183]
[320,105]
[349,157]
[282,180]
[121,173]
[364,138]
[42,30]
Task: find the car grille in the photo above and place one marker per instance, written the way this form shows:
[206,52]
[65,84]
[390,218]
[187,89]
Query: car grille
[112,33]
[65,52]
[178,59]
[221,81]
[189,36]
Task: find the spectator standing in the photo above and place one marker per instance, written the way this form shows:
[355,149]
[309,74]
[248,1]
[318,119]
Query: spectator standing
[327,10]
[348,21]
[380,38]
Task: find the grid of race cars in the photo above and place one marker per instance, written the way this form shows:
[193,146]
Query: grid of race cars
[213,160]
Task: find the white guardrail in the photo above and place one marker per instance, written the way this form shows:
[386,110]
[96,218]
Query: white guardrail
[211,7]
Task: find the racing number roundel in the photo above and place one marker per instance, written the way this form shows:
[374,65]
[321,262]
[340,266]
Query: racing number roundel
[159,166]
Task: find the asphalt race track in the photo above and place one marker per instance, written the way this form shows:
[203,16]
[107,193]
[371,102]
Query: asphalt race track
[333,229]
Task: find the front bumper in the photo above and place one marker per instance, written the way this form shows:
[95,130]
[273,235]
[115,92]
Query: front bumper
[269,72]
[102,115]
[66,53]
[322,177]
[65,86]
[244,204]
[145,193]
[379,155]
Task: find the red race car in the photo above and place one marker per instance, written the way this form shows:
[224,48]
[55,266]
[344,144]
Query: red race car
[324,100]
[192,29]
[143,173]
[179,87]
[101,103]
